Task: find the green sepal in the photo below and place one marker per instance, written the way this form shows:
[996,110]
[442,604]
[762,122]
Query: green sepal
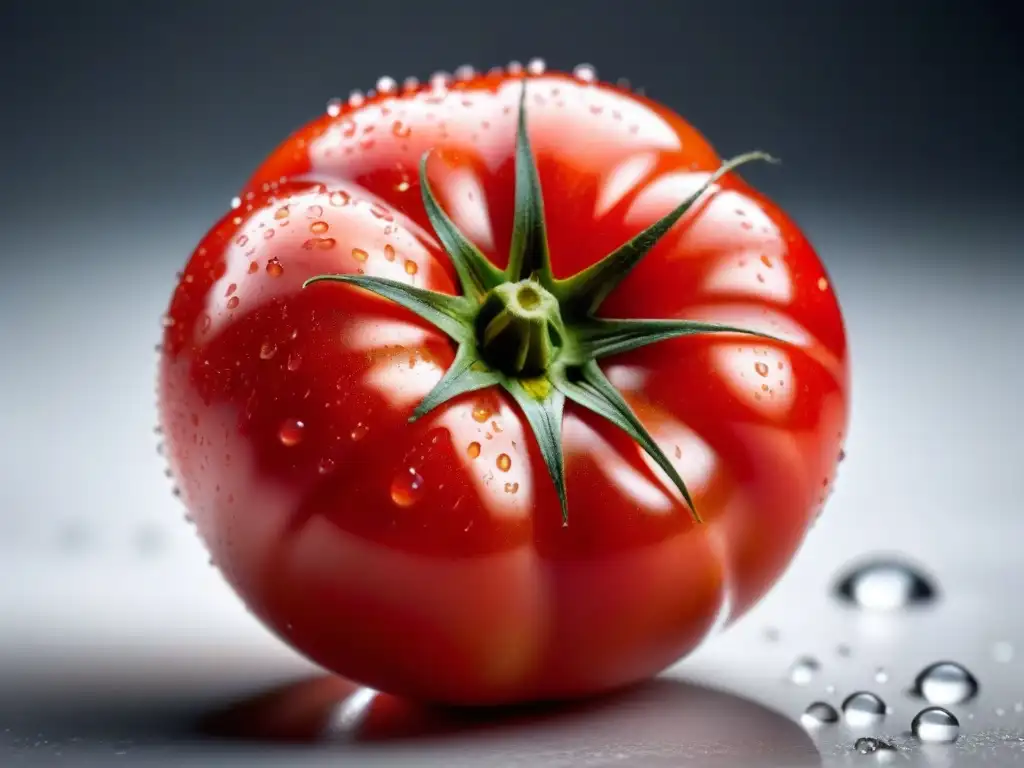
[451,314]
[528,254]
[584,292]
[600,338]
[543,405]
[477,275]
[465,374]
[588,387]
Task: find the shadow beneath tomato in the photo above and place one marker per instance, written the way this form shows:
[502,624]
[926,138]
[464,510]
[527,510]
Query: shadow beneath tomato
[662,722]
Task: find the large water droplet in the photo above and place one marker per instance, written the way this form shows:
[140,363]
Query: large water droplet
[862,709]
[935,725]
[869,746]
[804,670]
[884,585]
[406,487]
[944,683]
[504,462]
[290,433]
[819,713]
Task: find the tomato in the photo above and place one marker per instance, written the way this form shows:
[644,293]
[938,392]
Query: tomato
[582,514]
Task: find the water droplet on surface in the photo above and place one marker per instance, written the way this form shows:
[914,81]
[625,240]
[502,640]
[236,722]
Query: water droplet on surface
[822,284]
[1000,711]
[290,433]
[334,107]
[319,227]
[1002,652]
[511,487]
[319,243]
[267,350]
[236,202]
[944,683]
[268,234]
[536,66]
[935,725]
[804,670]
[862,709]
[274,268]
[359,254]
[464,72]
[585,72]
[406,487]
[504,462]
[884,585]
[281,213]
[233,302]
[868,746]
[359,432]
[411,268]
[339,198]
[473,450]
[231,289]
[326,466]
[400,129]
[294,361]
[356,99]
[386,84]
[881,676]
[761,368]
[819,713]
[389,252]
[481,413]
[253,266]
[514,67]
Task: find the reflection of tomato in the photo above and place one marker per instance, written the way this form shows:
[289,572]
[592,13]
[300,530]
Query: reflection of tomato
[430,558]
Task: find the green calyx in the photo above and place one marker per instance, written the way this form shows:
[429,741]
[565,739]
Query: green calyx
[536,336]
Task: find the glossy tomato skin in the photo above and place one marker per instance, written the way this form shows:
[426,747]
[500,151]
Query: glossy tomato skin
[429,559]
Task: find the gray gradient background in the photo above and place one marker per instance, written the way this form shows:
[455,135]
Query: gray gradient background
[125,129]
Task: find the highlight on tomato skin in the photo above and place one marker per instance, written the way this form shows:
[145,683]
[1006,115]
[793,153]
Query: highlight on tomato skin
[449,435]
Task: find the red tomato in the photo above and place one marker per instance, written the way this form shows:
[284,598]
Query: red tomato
[430,558]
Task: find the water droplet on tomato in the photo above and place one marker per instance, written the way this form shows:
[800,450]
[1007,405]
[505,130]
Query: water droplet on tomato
[294,361]
[481,413]
[514,67]
[473,450]
[400,129]
[235,202]
[267,350]
[274,268]
[339,198]
[804,670]
[406,487]
[318,227]
[863,709]
[359,432]
[884,585]
[411,268]
[326,466]
[504,462]
[233,302]
[386,84]
[881,676]
[359,254]
[536,66]
[267,234]
[319,243]
[945,683]
[819,713]
[511,487]
[761,368]
[281,213]
[334,107]
[389,252]
[935,725]
[356,99]
[291,432]
[766,261]
[822,284]
[464,72]
[585,73]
